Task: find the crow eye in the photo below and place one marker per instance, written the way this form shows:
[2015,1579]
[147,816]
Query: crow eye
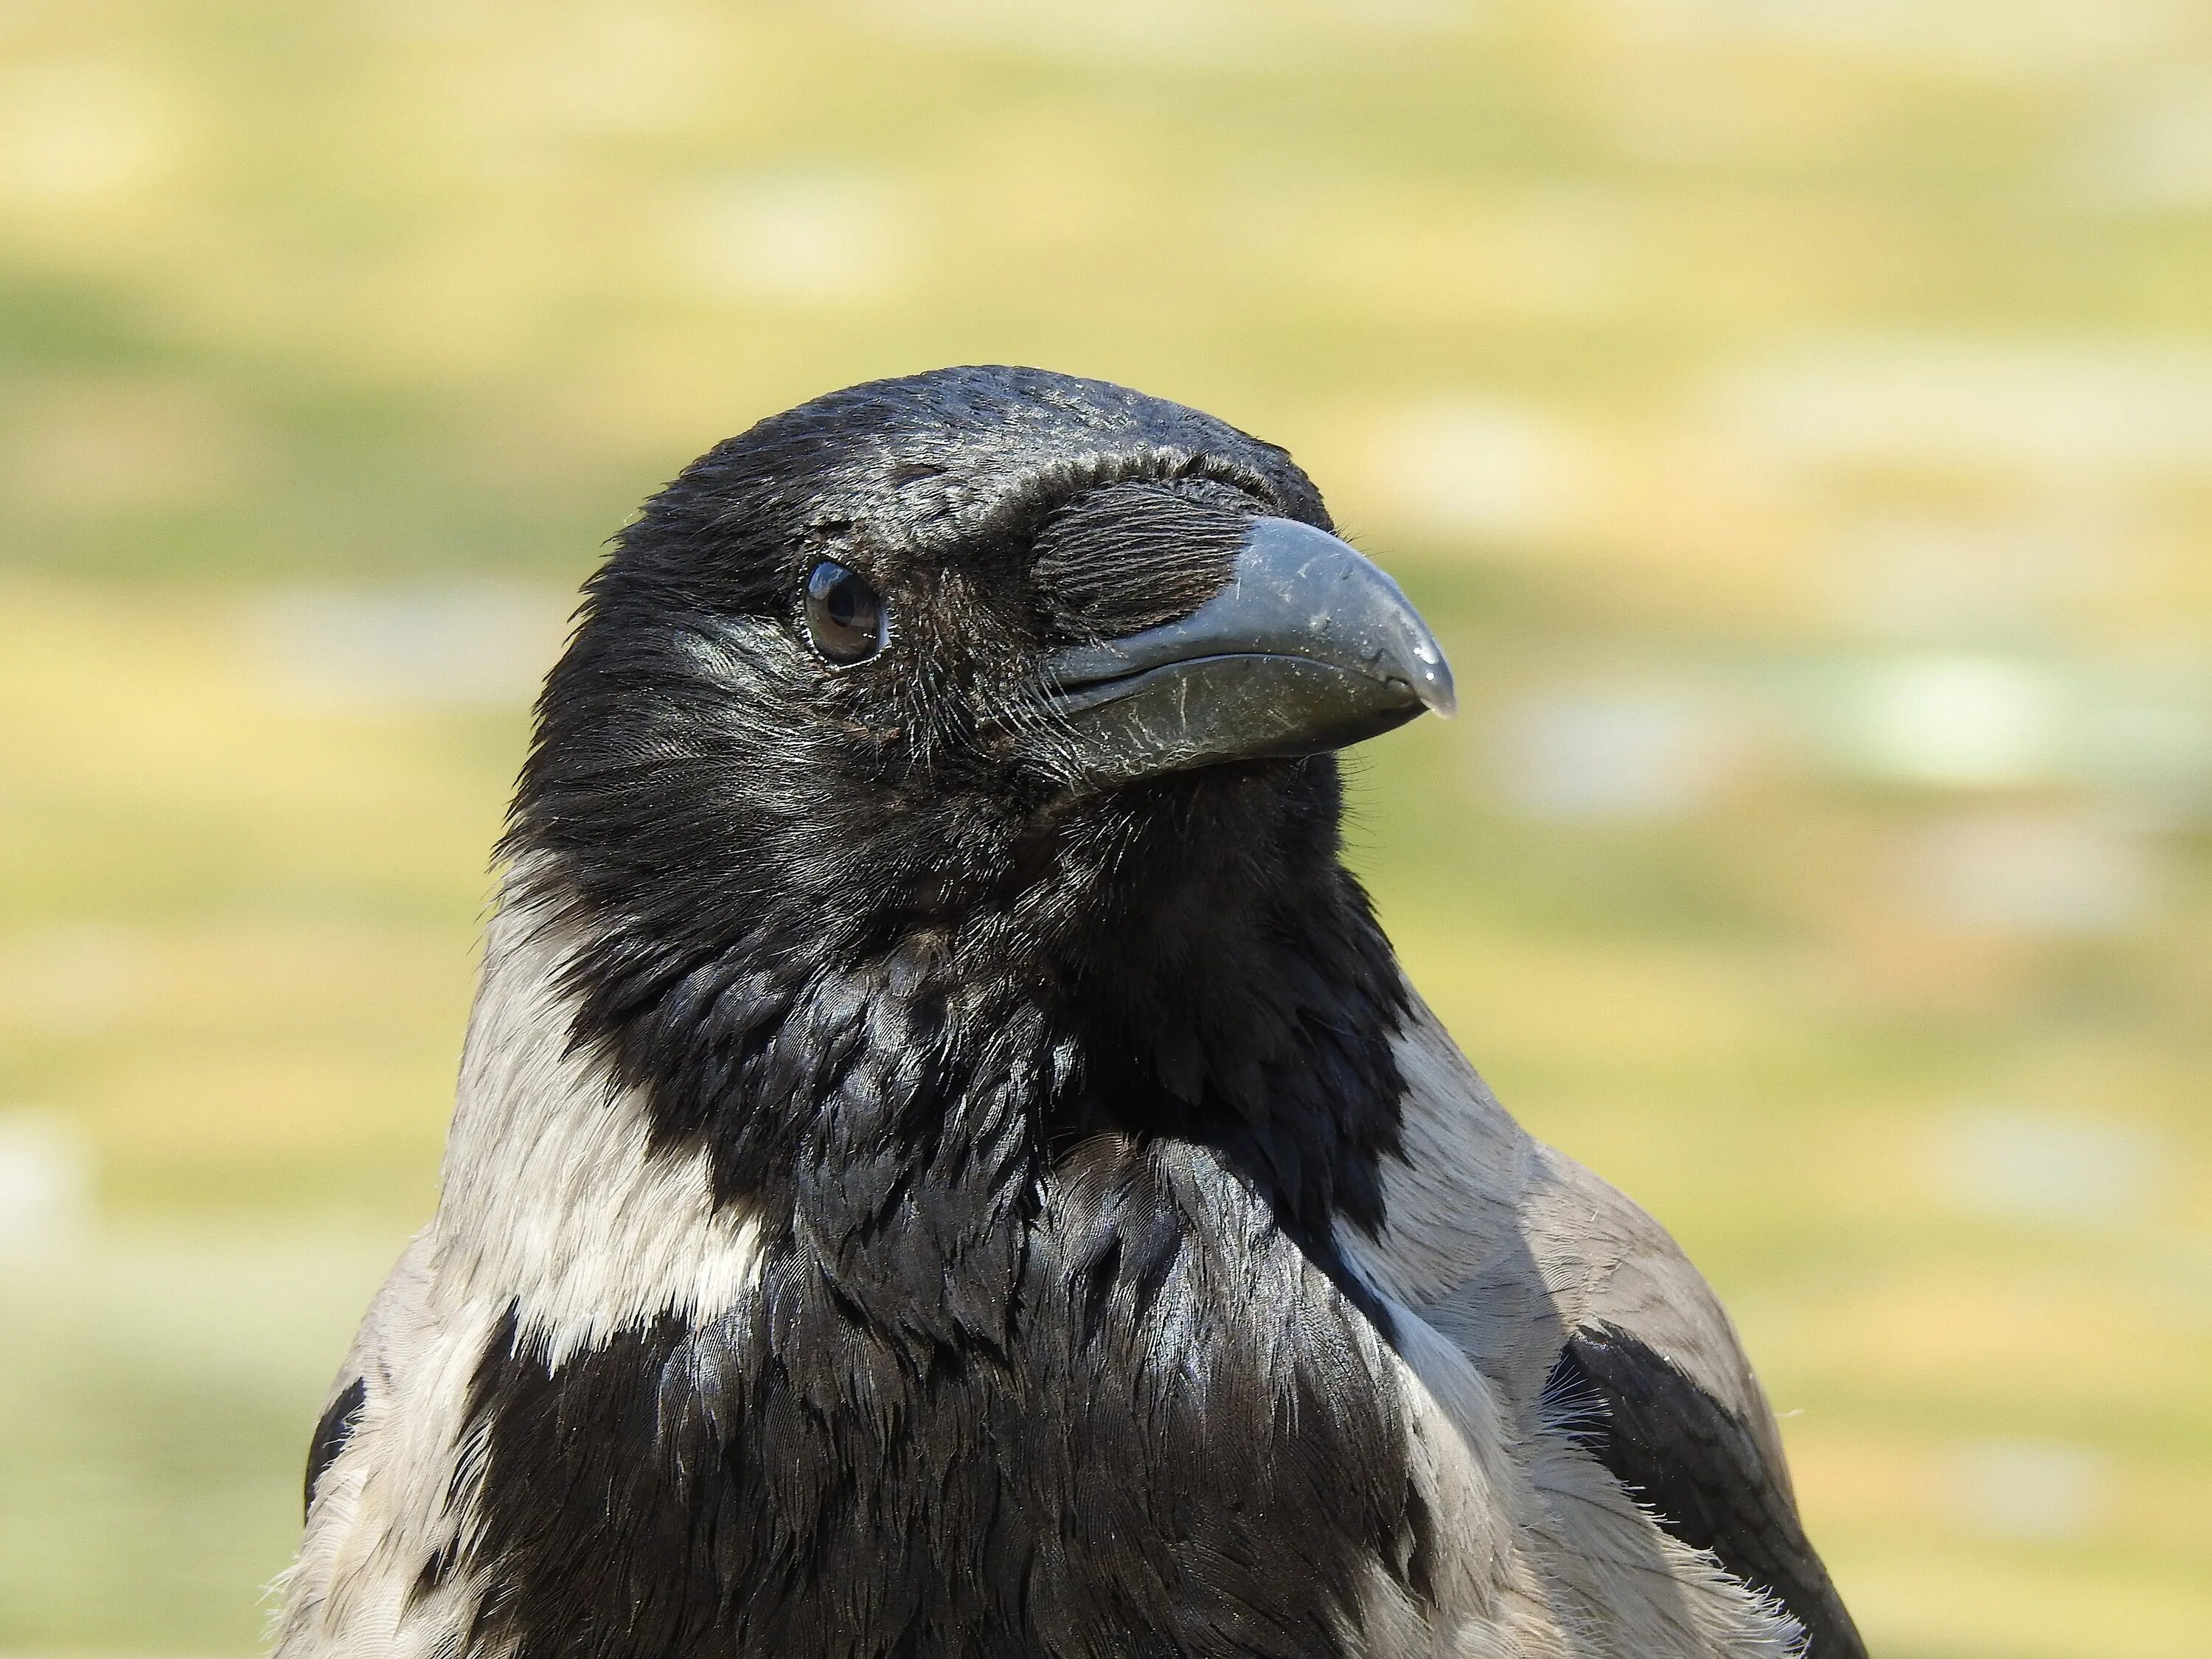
[844,617]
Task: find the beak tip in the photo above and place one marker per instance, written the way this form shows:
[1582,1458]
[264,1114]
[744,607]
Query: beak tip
[1434,688]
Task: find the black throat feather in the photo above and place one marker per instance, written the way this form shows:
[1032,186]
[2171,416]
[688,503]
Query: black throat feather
[1052,1351]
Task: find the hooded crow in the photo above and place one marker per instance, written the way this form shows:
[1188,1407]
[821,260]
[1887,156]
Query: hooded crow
[947,1165]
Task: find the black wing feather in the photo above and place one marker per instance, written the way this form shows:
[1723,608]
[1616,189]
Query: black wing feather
[1696,1464]
[332,1434]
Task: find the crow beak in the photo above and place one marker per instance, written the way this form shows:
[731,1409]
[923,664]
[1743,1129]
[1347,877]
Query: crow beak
[1308,647]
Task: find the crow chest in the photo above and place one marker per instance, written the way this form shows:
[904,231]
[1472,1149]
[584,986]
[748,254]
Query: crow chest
[1181,1437]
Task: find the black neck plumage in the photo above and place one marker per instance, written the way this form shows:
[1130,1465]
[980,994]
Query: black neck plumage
[1049,1306]
[934,1079]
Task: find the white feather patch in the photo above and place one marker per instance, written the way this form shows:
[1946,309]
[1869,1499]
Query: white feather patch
[391,1500]
[554,1199]
[1493,1247]
[555,1204]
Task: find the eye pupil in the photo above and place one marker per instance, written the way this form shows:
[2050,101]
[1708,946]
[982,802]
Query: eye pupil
[844,616]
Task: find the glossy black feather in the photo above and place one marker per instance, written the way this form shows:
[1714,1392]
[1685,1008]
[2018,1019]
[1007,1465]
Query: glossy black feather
[1696,1466]
[332,1434]
[1050,1358]
[1125,1473]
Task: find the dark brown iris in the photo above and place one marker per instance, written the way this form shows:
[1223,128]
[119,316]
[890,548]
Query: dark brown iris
[844,615]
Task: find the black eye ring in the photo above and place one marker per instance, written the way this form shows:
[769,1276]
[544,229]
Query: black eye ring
[845,619]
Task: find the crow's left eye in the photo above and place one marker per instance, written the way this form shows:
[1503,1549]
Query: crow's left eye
[844,615]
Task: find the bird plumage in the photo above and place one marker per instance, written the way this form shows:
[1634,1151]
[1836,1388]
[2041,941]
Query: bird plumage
[923,1182]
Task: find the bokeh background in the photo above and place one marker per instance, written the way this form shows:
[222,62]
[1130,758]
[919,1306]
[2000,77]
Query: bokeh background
[1795,416]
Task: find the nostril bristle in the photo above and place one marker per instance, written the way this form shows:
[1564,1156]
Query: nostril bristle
[1131,556]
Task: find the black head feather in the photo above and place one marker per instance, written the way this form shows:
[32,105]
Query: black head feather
[736,817]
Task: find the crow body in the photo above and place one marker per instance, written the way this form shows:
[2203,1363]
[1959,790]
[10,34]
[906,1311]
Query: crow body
[946,1162]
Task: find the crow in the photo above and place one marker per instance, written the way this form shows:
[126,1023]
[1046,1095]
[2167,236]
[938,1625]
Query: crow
[946,1164]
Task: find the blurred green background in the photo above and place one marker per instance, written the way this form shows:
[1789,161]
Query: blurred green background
[1795,416]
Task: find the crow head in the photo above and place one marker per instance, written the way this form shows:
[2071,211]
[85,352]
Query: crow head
[980,652]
